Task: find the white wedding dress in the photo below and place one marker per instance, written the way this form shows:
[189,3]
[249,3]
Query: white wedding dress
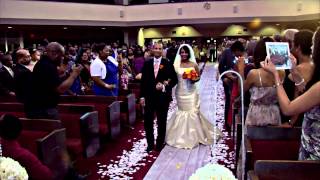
[187,127]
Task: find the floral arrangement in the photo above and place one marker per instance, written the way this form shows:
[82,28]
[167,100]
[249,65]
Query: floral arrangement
[212,171]
[12,170]
[190,74]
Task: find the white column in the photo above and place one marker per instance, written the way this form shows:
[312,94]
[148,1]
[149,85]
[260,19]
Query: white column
[140,38]
[21,40]
[126,37]
[6,42]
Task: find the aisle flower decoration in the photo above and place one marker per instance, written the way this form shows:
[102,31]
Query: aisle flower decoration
[12,170]
[212,171]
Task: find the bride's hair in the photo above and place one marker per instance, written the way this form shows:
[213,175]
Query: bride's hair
[187,50]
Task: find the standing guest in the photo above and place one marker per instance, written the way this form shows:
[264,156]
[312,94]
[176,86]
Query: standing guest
[23,75]
[172,51]
[112,76]
[7,76]
[226,62]
[308,103]
[98,71]
[138,61]
[124,70]
[302,50]
[263,101]
[130,56]
[86,81]
[10,129]
[35,56]
[46,84]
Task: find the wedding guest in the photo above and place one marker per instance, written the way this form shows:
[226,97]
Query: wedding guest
[35,56]
[10,130]
[226,62]
[302,50]
[86,80]
[263,101]
[23,75]
[124,70]
[46,85]
[7,76]
[308,103]
[98,71]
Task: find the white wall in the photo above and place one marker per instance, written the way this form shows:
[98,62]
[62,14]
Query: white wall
[36,12]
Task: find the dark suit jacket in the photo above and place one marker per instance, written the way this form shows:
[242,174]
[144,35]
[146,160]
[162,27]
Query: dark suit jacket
[22,80]
[148,81]
[6,82]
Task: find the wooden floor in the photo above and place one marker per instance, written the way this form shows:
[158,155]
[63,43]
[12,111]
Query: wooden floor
[179,164]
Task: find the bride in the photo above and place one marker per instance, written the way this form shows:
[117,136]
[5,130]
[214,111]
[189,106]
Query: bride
[188,127]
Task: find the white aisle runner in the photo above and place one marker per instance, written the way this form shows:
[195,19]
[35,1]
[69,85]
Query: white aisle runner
[179,164]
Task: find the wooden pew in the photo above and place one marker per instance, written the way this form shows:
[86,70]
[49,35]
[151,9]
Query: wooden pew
[271,143]
[285,170]
[81,123]
[128,108]
[77,119]
[46,139]
[107,107]
[134,87]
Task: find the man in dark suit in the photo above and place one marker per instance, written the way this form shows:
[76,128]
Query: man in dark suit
[23,75]
[158,79]
[6,76]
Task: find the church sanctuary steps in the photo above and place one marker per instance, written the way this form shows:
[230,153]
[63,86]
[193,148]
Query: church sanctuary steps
[285,170]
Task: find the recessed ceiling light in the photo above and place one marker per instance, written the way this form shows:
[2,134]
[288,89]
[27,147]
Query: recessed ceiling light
[277,24]
[9,27]
[65,28]
[103,28]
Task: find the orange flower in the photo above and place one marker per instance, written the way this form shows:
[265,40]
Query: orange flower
[161,66]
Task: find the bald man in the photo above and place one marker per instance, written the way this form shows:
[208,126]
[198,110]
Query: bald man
[23,73]
[46,84]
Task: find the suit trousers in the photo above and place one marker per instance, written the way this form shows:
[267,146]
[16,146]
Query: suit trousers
[160,108]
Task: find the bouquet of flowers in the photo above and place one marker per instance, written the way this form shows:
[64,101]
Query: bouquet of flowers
[212,171]
[190,74]
[12,170]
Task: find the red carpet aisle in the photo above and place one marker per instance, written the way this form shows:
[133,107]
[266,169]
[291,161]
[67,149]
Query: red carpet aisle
[177,164]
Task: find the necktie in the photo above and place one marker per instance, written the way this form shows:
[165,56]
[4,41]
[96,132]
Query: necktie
[156,68]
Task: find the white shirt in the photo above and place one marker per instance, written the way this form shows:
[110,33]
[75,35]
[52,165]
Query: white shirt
[97,68]
[113,60]
[157,61]
[9,70]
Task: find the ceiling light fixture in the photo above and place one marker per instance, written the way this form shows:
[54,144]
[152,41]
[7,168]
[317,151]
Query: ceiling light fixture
[9,27]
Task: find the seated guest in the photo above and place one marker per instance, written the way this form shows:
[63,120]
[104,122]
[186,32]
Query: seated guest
[263,109]
[308,103]
[103,84]
[6,76]
[47,86]
[10,129]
